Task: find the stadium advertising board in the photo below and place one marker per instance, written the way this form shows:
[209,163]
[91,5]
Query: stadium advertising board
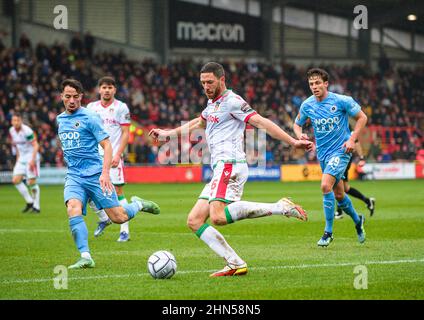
[255,173]
[299,172]
[52,176]
[47,176]
[163,174]
[6,176]
[385,171]
[419,171]
[198,26]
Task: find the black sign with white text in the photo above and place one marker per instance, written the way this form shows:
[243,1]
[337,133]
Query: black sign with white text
[197,26]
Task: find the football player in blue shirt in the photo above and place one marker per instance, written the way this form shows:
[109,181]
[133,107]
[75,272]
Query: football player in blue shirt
[80,131]
[329,114]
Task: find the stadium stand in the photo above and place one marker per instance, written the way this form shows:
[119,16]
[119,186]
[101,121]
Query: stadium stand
[165,95]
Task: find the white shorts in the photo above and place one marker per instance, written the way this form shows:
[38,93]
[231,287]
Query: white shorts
[23,169]
[117,174]
[227,182]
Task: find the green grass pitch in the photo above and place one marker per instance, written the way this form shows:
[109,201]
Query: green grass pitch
[283,258]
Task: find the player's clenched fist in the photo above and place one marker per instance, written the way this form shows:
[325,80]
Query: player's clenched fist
[158,134]
[304,144]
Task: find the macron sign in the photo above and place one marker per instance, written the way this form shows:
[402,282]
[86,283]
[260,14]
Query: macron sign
[197,26]
[210,32]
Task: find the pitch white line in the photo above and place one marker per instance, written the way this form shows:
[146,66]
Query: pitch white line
[301,266]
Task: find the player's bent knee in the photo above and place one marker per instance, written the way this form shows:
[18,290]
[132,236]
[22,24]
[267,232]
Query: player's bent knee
[339,196]
[74,208]
[120,219]
[16,180]
[218,219]
[326,188]
[194,223]
[117,218]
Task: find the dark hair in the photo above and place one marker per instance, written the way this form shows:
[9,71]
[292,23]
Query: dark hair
[106,80]
[17,114]
[73,84]
[317,72]
[215,68]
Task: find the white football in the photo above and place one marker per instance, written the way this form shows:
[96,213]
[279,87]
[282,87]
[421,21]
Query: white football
[162,264]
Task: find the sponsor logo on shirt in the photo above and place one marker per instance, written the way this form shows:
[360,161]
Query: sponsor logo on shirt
[70,140]
[326,124]
[110,121]
[213,119]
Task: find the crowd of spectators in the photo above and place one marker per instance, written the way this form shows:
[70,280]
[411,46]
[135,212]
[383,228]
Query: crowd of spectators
[164,95]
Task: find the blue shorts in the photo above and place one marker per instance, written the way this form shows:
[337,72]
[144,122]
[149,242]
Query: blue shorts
[336,165]
[84,188]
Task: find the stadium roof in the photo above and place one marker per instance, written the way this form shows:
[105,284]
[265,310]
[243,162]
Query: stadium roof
[387,13]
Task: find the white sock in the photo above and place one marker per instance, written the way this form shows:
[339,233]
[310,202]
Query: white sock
[86,255]
[217,243]
[240,210]
[100,213]
[125,225]
[35,191]
[23,190]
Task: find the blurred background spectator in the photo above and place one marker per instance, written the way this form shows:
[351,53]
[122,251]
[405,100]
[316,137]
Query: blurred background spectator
[166,95]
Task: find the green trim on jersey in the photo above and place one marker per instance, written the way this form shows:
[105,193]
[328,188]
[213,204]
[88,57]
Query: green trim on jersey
[30,137]
[202,229]
[221,199]
[204,198]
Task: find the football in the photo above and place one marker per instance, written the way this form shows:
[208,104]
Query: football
[162,265]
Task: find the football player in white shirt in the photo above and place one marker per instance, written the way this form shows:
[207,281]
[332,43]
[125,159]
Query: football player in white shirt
[116,121]
[27,163]
[225,119]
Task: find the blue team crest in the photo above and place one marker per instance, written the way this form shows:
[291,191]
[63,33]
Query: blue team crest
[77,124]
[333,108]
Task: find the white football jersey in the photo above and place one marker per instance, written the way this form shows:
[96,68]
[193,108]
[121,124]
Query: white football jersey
[226,119]
[22,140]
[113,116]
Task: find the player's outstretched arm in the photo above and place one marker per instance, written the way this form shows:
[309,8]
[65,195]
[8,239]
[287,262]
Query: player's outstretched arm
[36,147]
[160,134]
[104,179]
[116,158]
[298,131]
[276,132]
[361,121]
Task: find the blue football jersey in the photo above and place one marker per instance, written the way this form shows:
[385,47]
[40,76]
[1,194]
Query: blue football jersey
[80,134]
[330,120]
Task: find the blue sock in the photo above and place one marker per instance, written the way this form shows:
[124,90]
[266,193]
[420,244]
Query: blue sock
[329,203]
[79,233]
[131,209]
[347,207]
